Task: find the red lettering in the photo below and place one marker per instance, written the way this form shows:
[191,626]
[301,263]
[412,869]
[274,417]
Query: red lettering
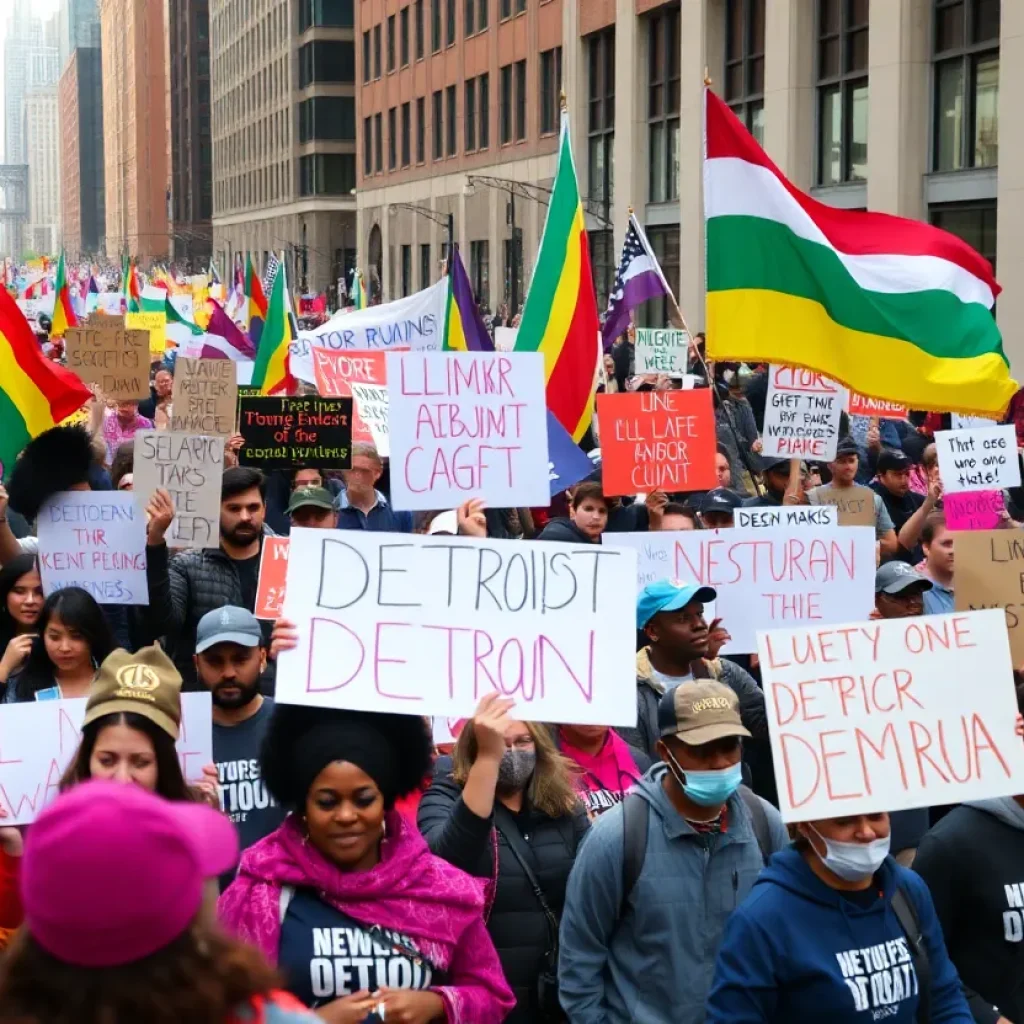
[784,740]
[828,755]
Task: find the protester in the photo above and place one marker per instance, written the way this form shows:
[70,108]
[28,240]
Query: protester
[911,531]
[361,506]
[588,516]
[313,507]
[21,604]
[893,487]
[937,544]
[184,588]
[821,937]
[72,639]
[775,478]
[718,508]
[346,865]
[160,394]
[723,472]
[122,464]
[607,767]
[671,616]
[675,516]
[119,426]
[504,807]
[307,476]
[659,874]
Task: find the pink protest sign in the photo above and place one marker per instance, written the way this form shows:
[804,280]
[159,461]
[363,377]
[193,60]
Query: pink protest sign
[973,510]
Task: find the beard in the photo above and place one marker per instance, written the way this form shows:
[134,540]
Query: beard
[247,693]
[241,533]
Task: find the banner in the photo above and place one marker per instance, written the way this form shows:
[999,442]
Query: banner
[765,578]
[427,625]
[801,415]
[661,350]
[876,716]
[281,433]
[273,570]
[860,405]
[990,574]
[978,459]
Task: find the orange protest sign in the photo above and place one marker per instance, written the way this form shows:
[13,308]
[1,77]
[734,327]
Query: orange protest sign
[336,372]
[657,440]
[860,405]
[273,570]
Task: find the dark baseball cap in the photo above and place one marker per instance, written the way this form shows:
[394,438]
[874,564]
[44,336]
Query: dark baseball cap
[894,577]
[889,460]
[721,499]
[769,462]
[847,446]
[315,497]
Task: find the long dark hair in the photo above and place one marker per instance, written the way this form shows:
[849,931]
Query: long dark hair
[9,576]
[170,783]
[78,610]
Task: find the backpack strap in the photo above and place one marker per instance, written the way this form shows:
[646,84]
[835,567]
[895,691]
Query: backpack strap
[636,816]
[759,821]
[906,913]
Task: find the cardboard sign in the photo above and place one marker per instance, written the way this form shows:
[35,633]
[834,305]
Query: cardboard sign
[657,441]
[190,467]
[861,405]
[95,540]
[205,396]
[40,739]
[661,351]
[765,578]
[978,459]
[794,517]
[114,358]
[990,574]
[155,326]
[467,425]
[281,433]
[273,570]
[336,372]
[973,510]
[880,716]
[428,625]
[801,415]
[855,505]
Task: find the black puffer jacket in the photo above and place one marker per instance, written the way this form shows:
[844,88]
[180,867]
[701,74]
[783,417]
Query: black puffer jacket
[517,924]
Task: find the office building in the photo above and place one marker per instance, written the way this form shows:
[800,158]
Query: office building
[42,232]
[24,36]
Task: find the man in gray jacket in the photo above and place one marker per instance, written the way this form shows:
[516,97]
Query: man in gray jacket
[641,949]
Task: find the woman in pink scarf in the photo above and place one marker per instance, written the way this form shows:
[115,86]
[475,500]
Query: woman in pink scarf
[363,921]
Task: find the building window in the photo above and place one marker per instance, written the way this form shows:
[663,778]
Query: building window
[469,115]
[392,139]
[966,55]
[330,61]
[469,18]
[504,9]
[450,113]
[449,23]
[406,270]
[391,42]
[485,111]
[974,223]
[744,63]
[327,118]
[480,272]
[438,126]
[316,14]
[665,243]
[419,29]
[520,6]
[421,130]
[327,174]
[514,266]
[663,106]
[550,90]
[403,36]
[376,51]
[520,100]
[602,259]
[435,25]
[483,14]
[842,91]
[601,115]
[366,55]
[406,134]
[426,269]
[505,113]
[367,146]
[378,143]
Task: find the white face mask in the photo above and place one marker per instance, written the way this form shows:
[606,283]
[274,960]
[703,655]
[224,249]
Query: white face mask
[852,862]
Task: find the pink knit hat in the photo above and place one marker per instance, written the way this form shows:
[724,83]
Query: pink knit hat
[113,873]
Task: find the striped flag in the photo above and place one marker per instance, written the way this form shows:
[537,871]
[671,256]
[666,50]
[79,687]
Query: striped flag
[271,373]
[63,312]
[464,331]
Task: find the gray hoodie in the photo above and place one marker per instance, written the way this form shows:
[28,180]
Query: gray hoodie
[655,964]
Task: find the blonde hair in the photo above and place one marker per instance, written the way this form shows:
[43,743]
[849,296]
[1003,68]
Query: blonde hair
[551,789]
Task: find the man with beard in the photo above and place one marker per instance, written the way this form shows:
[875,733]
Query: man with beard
[230,658]
[184,588]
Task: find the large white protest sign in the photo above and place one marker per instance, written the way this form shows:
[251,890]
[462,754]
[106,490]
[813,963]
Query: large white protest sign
[467,425]
[372,407]
[661,350]
[765,577]
[428,625]
[95,540]
[793,517]
[959,422]
[801,414]
[415,322]
[978,459]
[881,716]
[38,741]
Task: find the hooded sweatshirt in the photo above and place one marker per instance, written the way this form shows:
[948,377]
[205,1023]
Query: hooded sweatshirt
[799,950]
[410,893]
[973,862]
[605,777]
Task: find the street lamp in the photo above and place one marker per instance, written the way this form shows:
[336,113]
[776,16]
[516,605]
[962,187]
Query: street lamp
[446,220]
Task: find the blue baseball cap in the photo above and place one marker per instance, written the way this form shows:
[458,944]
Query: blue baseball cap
[669,596]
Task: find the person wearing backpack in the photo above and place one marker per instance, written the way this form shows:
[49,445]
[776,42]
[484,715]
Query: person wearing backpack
[658,875]
[835,929]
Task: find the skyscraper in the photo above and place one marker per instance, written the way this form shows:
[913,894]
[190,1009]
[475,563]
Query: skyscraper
[24,36]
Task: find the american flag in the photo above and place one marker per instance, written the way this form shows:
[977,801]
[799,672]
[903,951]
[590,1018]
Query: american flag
[270,272]
[637,279]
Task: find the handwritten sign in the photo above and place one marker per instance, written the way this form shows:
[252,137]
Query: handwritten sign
[978,459]
[114,358]
[336,372]
[855,505]
[660,350]
[371,405]
[190,467]
[861,405]
[428,625]
[765,577]
[875,716]
[273,569]
[284,432]
[95,540]
[796,517]
[155,326]
[40,739]
[990,574]
[467,425]
[657,440]
[973,510]
[958,422]
[801,415]
[205,396]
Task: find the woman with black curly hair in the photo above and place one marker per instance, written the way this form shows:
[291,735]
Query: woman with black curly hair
[364,922]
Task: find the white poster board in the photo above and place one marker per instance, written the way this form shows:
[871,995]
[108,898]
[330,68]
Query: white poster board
[95,540]
[427,625]
[795,517]
[958,422]
[765,578]
[661,350]
[467,425]
[505,338]
[39,739]
[978,459]
[801,415]
[881,716]
[371,402]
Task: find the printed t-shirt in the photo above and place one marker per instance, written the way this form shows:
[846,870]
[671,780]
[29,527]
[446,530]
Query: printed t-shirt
[606,776]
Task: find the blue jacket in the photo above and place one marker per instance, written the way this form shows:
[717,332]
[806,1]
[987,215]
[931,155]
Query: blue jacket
[798,950]
[382,518]
[653,965]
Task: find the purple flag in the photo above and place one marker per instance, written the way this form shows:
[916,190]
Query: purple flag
[220,323]
[637,279]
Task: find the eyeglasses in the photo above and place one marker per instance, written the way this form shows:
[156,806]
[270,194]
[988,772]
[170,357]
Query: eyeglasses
[521,743]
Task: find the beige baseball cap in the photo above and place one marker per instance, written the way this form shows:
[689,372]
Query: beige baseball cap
[700,712]
[144,683]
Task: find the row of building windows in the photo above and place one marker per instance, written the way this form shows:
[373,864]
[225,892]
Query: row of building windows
[327,61]
[325,14]
[319,174]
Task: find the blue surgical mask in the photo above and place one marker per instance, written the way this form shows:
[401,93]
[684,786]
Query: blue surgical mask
[707,789]
[852,861]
